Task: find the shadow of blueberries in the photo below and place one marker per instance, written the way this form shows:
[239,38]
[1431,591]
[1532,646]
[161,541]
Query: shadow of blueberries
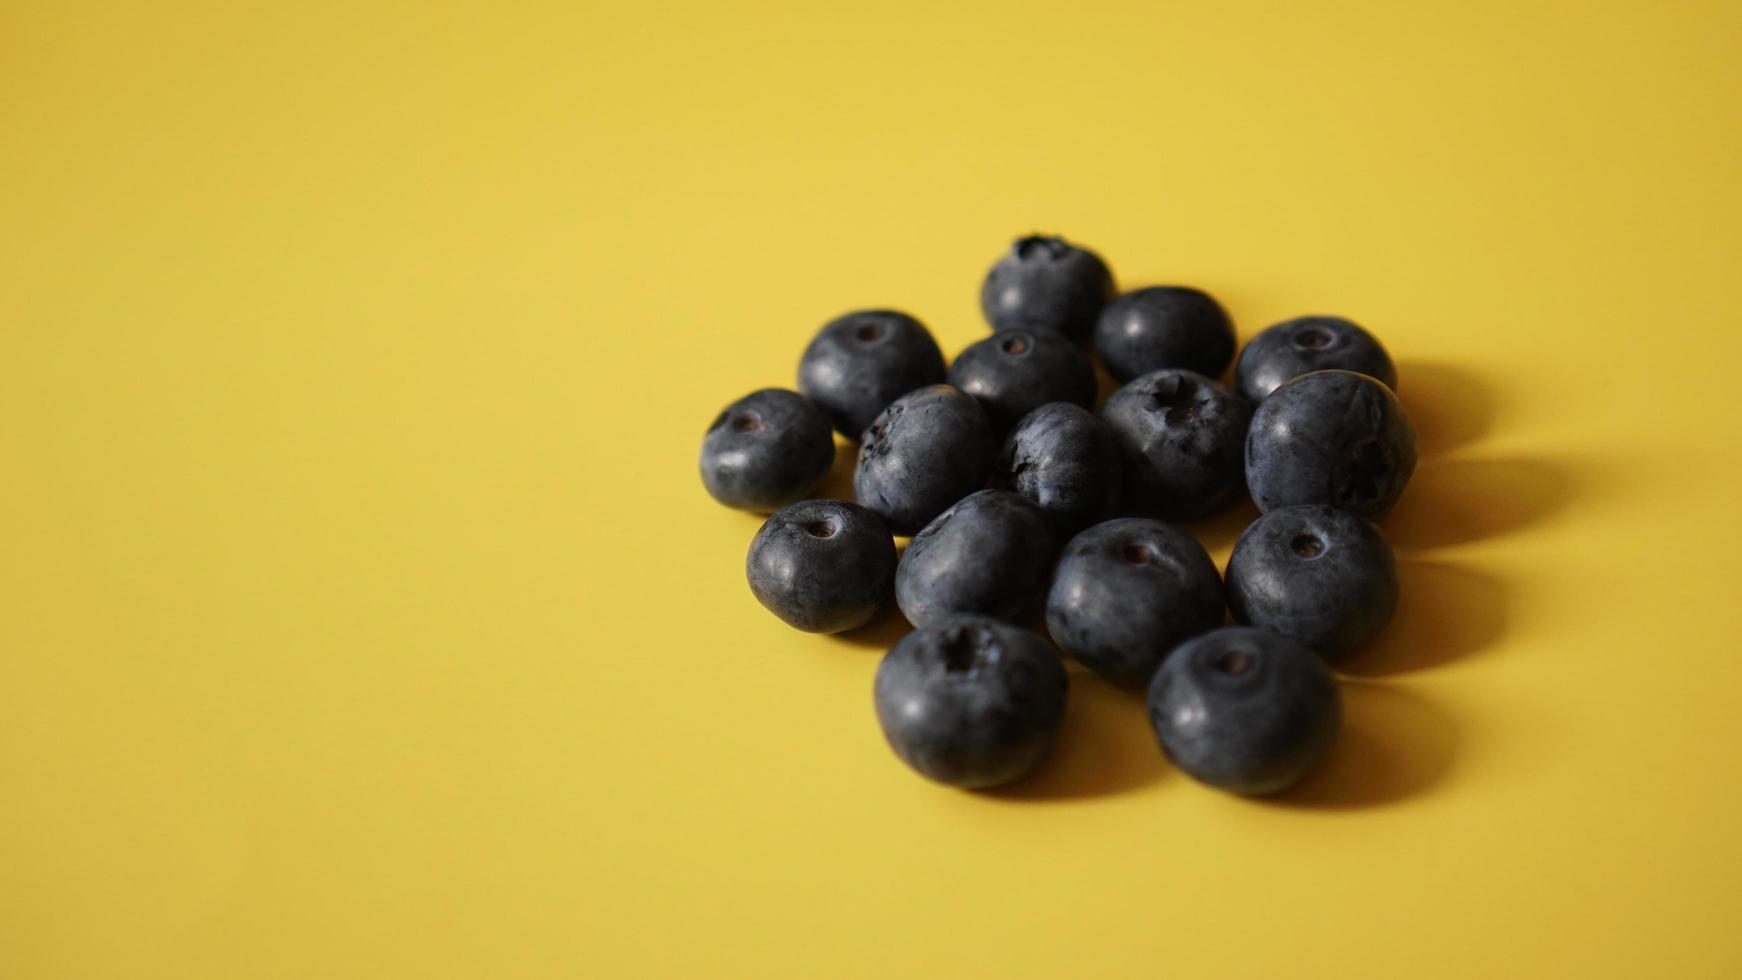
[1444,612]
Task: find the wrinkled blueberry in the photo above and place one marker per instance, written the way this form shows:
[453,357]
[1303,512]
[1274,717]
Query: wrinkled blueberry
[988,554]
[1330,437]
[927,450]
[1322,576]
[1062,457]
[971,702]
[1127,592]
[860,362]
[1181,436]
[1046,283]
[1164,327]
[822,565]
[766,450]
[1244,709]
[1304,345]
[1014,372]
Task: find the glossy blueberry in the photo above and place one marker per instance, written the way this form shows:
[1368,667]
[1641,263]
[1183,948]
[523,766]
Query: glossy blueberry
[766,450]
[1322,576]
[1014,372]
[1304,345]
[822,565]
[860,362]
[1164,327]
[928,449]
[1180,435]
[1330,437]
[1046,283]
[1062,457]
[1128,591]
[988,554]
[970,701]
[1244,709]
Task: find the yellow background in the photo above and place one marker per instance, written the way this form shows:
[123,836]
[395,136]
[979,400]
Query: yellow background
[361,613]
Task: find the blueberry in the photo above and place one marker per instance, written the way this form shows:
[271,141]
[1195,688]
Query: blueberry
[988,554]
[860,362]
[766,450]
[1322,576]
[1304,345]
[1180,435]
[1244,709]
[927,450]
[1046,283]
[1015,372]
[1330,437]
[971,702]
[1164,327]
[1063,458]
[822,565]
[1128,591]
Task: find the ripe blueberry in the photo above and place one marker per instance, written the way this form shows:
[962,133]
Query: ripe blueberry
[1331,437]
[1014,372]
[988,554]
[1164,327]
[1322,576]
[766,450]
[1062,457]
[1128,591]
[1244,709]
[1304,345]
[1046,283]
[1180,435]
[860,362]
[971,702]
[927,450]
[822,565]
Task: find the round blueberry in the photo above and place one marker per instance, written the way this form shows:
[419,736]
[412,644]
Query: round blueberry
[860,362]
[1331,437]
[971,702]
[1062,457]
[822,565]
[1046,283]
[1164,327]
[1304,345]
[1244,709]
[927,450]
[988,554]
[766,450]
[1014,372]
[1128,591]
[1180,435]
[1322,576]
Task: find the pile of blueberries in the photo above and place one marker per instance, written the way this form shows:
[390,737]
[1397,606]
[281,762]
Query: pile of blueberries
[1026,506]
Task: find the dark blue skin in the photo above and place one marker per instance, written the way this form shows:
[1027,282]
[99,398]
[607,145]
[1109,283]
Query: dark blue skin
[1015,372]
[1127,592]
[859,363]
[1164,327]
[1180,435]
[822,565]
[766,450]
[1046,283]
[1331,437]
[1306,344]
[971,702]
[1319,575]
[929,449]
[1062,457]
[989,554]
[1245,709]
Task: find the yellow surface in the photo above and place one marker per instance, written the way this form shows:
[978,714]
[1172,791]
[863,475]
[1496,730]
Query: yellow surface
[361,614]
